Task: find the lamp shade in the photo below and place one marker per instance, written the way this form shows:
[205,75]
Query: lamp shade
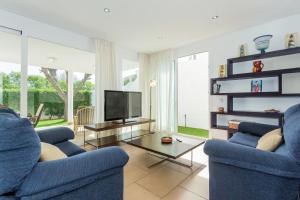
[152,83]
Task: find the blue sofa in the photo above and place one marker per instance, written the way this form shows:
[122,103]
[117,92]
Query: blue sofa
[238,170]
[83,175]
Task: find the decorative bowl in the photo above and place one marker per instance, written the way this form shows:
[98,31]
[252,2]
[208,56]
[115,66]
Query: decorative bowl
[262,42]
[166,140]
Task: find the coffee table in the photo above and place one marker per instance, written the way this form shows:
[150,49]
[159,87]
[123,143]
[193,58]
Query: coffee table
[167,152]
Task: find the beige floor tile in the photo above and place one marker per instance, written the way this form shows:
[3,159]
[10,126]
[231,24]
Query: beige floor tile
[144,161]
[198,156]
[162,181]
[182,169]
[143,183]
[198,183]
[136,192]
[132,174]
[127,148]
[181,194]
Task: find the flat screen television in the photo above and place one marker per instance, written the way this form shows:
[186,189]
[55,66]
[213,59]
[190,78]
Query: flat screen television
[122,105]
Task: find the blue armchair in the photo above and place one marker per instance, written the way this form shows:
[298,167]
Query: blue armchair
[83,175]
[240,171]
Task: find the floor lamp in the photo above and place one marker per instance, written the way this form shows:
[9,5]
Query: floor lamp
[152,84]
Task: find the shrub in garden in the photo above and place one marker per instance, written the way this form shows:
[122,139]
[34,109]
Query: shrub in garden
[53,105]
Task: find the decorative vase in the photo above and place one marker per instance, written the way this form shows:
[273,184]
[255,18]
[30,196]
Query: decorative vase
[262,42]
[257,66]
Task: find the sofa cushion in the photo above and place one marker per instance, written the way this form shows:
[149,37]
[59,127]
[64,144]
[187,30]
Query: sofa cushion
[19,150]
[256,129]
[69,148]
[50,152]
[244,139]
[270,141]
[291,131]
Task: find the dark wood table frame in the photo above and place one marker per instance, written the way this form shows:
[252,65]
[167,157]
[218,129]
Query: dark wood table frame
[190,145]
[113,139]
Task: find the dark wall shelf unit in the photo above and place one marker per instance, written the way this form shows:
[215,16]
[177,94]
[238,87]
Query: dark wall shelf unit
[271,54]
[259,94]
[265,74]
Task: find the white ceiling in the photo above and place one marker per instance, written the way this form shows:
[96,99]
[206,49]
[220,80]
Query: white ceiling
[152,25]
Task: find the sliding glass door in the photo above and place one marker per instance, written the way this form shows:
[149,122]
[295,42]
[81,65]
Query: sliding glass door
[60,79]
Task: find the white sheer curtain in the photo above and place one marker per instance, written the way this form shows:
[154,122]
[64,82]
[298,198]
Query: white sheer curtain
[106,73]
[162,66]
[144,78]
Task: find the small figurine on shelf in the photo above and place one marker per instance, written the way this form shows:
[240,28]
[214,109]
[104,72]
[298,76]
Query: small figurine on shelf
[221,109]
[220,105]
[256,86]
[222,71]
[291,40]
[257,66]
[243,50]
[217,88]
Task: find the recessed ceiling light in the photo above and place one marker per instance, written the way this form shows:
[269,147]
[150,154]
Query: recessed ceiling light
[215,17]
[107,10]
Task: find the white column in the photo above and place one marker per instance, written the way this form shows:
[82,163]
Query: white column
[24,72]
[144,80]
[98,95]
[176,94]
[70,96]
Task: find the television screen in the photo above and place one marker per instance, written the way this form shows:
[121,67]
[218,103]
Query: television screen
[114,105]
[134,104]
[122,105]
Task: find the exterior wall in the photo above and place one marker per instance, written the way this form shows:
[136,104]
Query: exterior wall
[193,92]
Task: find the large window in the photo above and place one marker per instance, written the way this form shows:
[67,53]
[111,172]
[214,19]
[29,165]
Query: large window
[10,70]
[48,87]
[54,70]
[83,90]
[130,75]
[54,73]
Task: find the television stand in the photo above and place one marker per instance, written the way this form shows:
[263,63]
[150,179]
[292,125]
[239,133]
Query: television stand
[98,128]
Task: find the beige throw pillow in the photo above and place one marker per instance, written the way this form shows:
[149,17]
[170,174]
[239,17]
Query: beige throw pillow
[270,141]
[50,152]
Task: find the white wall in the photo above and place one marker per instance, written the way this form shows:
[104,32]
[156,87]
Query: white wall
[226,46]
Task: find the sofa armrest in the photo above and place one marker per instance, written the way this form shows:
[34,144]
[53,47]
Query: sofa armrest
[55,135]
[60,173]
[250,158]
[256,128]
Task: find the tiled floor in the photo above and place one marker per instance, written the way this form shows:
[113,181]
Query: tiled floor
[165,181]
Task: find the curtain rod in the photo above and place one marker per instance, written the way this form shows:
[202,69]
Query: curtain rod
[12,29]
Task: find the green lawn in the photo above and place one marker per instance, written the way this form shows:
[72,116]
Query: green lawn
[193,131]
[51,122]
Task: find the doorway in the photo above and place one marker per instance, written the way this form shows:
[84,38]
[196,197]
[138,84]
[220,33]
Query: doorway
[193,95]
